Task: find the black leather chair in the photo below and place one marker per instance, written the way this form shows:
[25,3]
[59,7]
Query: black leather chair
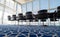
[21,17]
[42,11]
[29,16]
[9,18]
[53,16]
[14,18]
[42,15]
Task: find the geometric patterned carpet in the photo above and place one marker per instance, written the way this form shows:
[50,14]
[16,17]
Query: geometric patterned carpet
[29,31]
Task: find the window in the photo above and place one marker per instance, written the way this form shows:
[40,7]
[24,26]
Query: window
[54,3]
[29,6]
[35,6]
[6,13]
[19,8]
[1,11]
[7,3]
[2,1]
[44,4]
[11,4]
[24,9]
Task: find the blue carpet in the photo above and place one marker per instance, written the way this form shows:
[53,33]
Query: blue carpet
[29,31]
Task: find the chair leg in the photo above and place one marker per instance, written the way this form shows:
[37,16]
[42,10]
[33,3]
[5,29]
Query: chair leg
[54,22]
[59,21]
[29,23]
[18,23]
[22,22]
[39,22]
[26,22]
[15,22]
[50,22]
[43,23]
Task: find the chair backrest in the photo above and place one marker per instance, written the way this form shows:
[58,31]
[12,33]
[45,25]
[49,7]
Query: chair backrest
[58,8]
[42,14]
[29,14]
[42,11]
[20,15]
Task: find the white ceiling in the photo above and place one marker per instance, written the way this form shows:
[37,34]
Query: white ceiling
[22,1]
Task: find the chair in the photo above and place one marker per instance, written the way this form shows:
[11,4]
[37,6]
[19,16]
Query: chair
[29,16]
[21,17]
[9,18]
[42,15]
[13,17]
[53,16]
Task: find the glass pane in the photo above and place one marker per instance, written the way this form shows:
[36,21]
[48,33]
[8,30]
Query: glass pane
[44,4]
[1,11]
[29,6]
[19,8]
[11,4]
[35,6]
[24,9]
[54,3]
[7,3]
[6,13]
[2,1]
